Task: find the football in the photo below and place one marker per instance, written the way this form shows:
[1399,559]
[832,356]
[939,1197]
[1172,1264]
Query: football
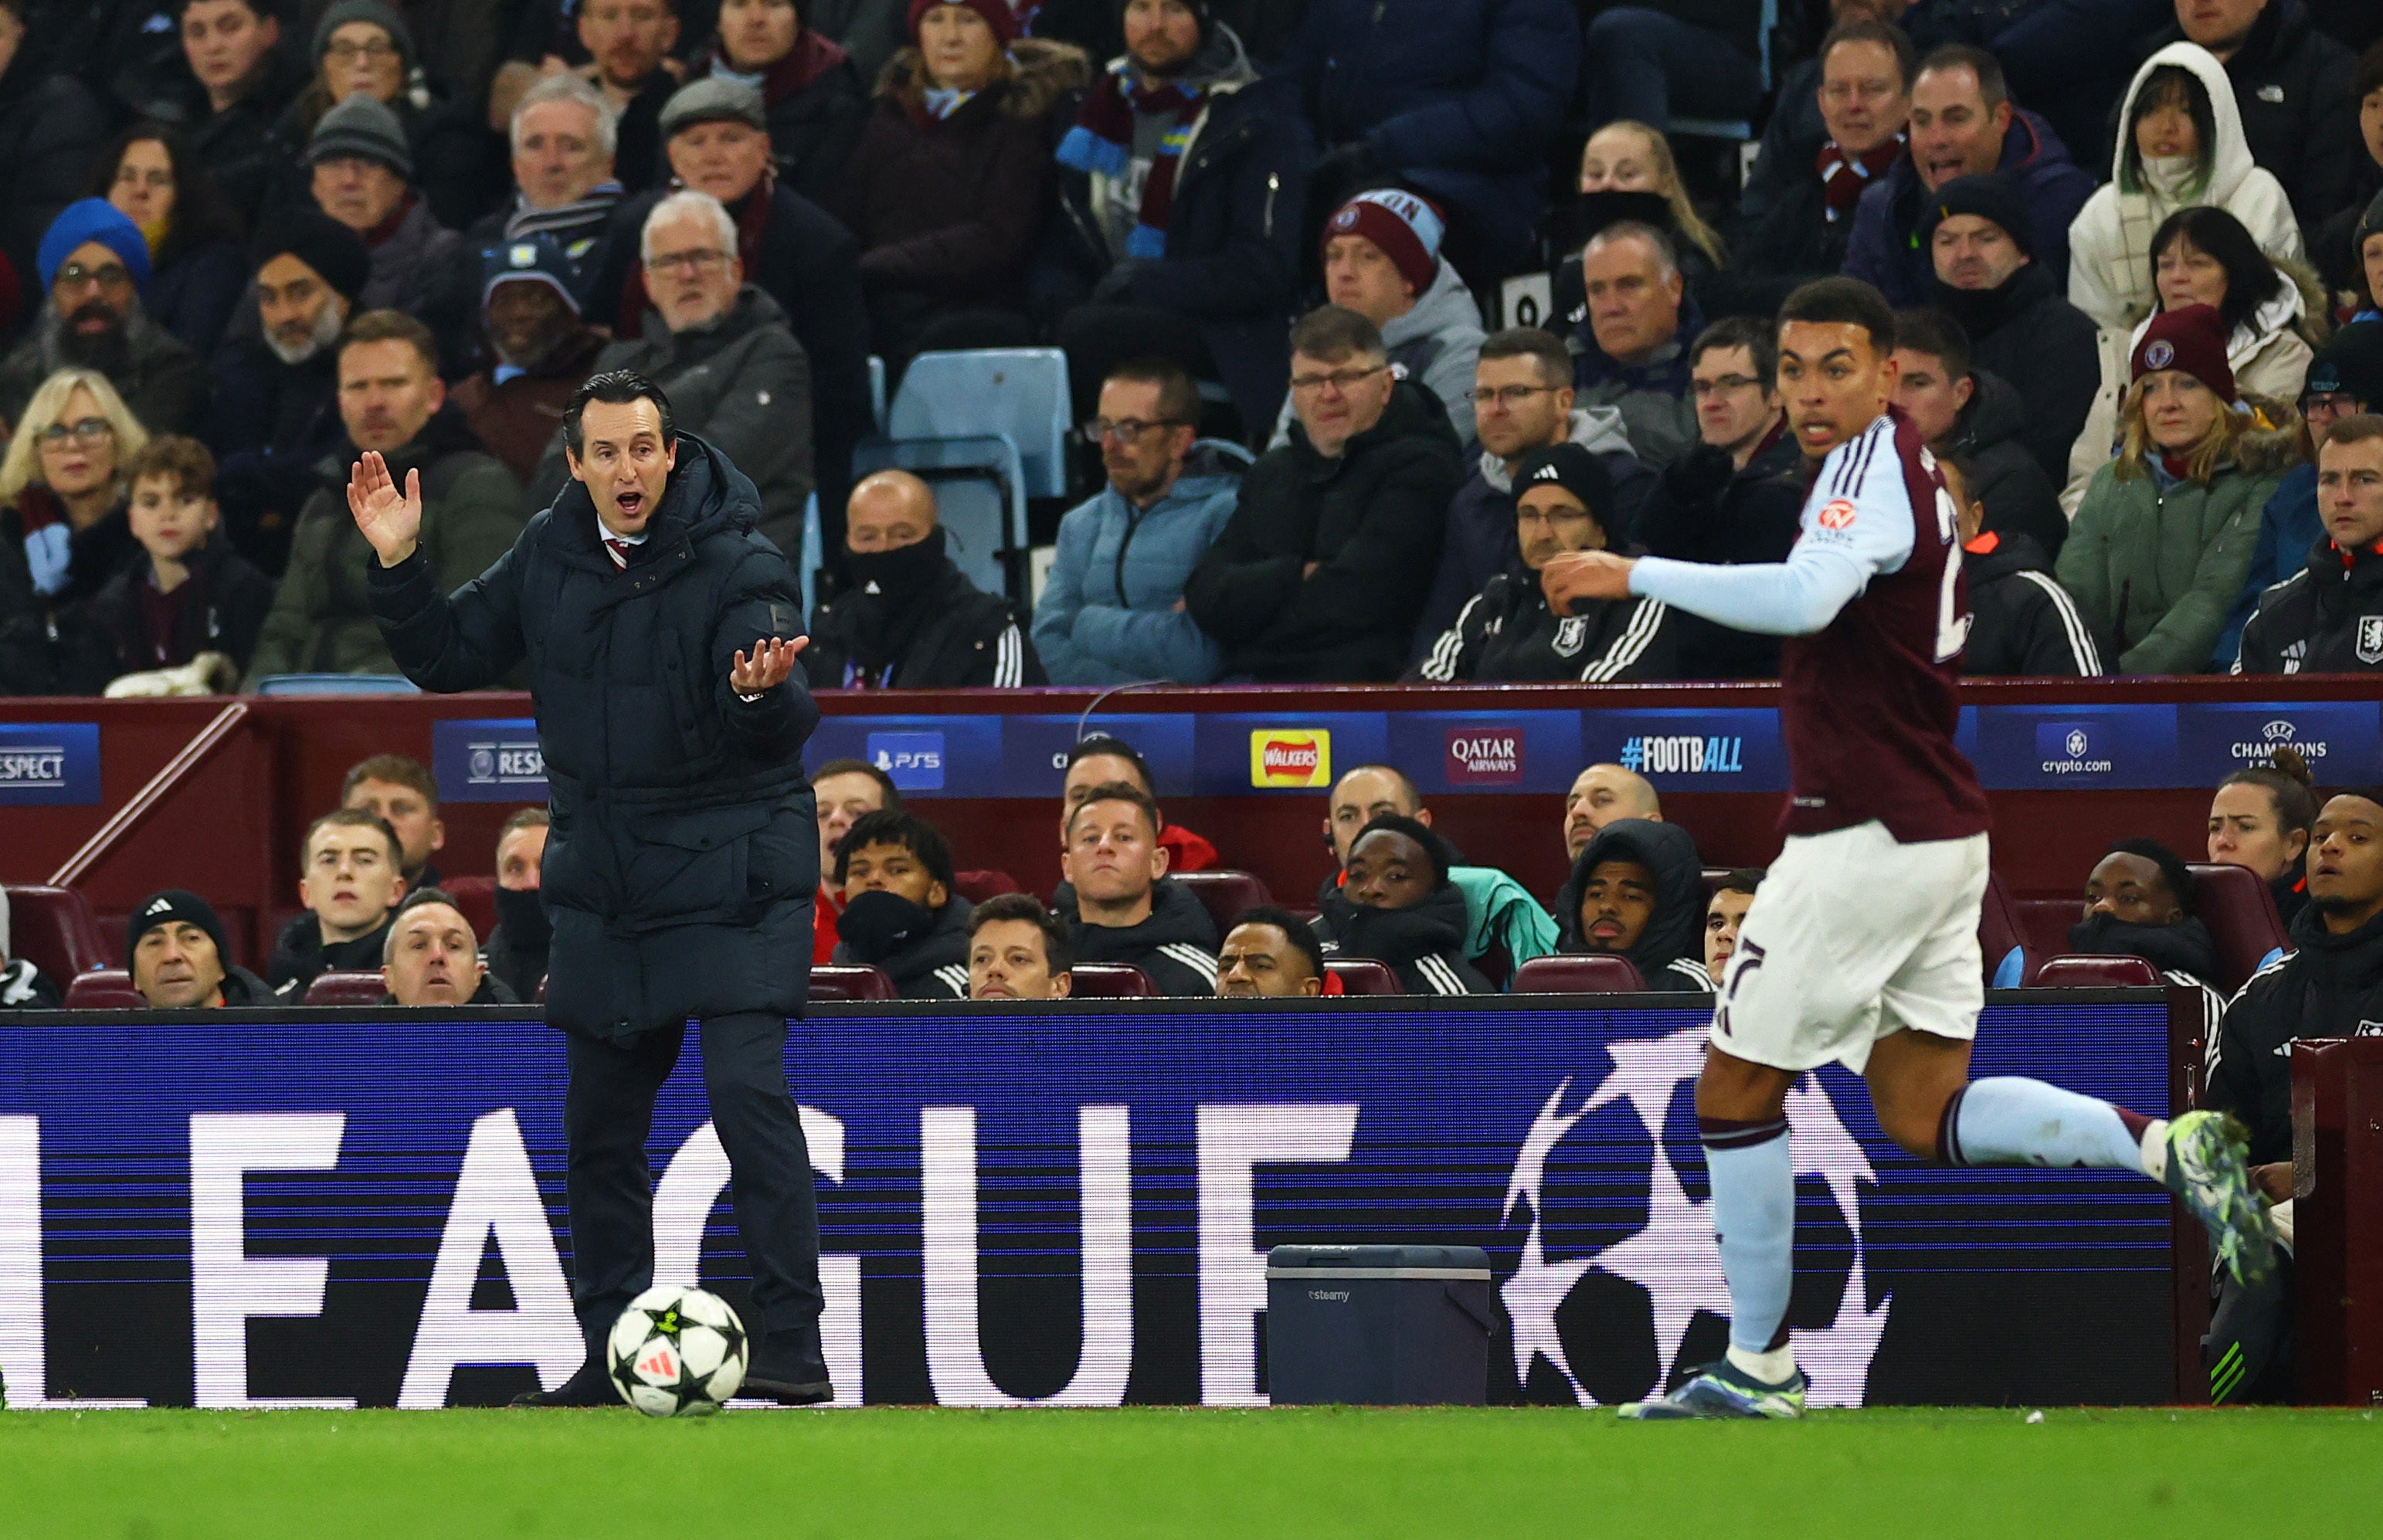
[677,1352]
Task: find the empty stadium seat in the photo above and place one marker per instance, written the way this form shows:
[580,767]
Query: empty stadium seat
[1225,894]
[2240,913]
[104,988]
[978,886]
[2095,973]
[1578,975]
[1363,976]
[476,897]
[342,987]
[1109,981]
[2044,923]
[56,929]
[849,982]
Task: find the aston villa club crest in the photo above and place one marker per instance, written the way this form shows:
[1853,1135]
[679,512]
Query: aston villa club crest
[1570,635]
[2370,638]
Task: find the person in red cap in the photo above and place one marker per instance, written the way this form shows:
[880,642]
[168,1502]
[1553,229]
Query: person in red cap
[947,190]
[2167,530]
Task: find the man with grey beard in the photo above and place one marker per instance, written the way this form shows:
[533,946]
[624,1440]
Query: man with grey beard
[538,350]
[274,409]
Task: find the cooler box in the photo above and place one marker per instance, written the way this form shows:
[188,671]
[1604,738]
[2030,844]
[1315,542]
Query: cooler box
[1377,1325]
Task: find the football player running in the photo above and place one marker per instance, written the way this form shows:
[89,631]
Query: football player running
[1880,802]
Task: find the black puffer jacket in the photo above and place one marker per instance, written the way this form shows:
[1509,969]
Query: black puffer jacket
[1702,511]
[2332,987]
[952,635]
[1669,950]
[2028,335]
[1371,519]
[683,853]
[301,955]
[931,964]
[1989,437]
[1507,634]
[515,950]
[1177,945]
[2021,620]
[1424,945]
[2326,617]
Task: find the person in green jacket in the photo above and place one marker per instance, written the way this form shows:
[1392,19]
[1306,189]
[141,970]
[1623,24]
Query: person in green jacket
[1500,912]
[392,402]
[2164,536]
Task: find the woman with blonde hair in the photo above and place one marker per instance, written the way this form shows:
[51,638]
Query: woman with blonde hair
[2167,530]
[62,490]
[1628,156]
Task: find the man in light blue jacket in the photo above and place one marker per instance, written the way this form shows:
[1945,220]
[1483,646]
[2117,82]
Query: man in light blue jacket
[1112,612]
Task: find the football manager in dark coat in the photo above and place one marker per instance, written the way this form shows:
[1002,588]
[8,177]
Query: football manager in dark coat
[684,850]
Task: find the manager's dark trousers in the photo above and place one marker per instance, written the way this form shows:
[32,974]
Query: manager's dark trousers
[608,1112]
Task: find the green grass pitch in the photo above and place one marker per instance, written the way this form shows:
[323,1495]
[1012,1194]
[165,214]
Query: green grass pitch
[1310,1473]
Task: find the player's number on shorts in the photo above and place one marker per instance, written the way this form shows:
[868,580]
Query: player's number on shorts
[1952,622]
[1744,960]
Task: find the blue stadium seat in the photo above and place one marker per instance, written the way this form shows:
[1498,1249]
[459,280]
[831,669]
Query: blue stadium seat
[989,430]
[814,554]
[337,684]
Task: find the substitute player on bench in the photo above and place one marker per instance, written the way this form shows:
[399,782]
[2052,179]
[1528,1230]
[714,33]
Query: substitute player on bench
[1880,803]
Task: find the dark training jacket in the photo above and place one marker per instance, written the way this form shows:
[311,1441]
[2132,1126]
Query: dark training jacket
[2021,620]
[2332,987]
[1424,945]
[2327,618]
[932,966]
[964,638]
[1669,950]
[1177,945]
[685,849]
[1508,634]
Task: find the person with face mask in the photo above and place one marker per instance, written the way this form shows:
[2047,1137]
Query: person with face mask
[1637,890]
[516,951]
[900,913]
[908,619]
[1396,907]
[2138,904]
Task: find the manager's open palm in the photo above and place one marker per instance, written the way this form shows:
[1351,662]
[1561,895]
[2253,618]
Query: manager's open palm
[390,520]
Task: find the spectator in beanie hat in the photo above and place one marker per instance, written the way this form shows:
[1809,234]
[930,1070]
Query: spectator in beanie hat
[2163,537]
[541,350]
[2021,328]
[179,960]
[947,189]
[361,171]
[94,264]
[1381,259]
[363,48]
[813,101]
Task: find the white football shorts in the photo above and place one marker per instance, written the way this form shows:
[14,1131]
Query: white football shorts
[1853,937]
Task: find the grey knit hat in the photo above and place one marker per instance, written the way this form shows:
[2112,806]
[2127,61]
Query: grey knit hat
[362,128]
[712,100]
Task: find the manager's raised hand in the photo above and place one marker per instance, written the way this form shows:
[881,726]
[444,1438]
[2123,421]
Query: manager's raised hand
[390,520]
[771,663]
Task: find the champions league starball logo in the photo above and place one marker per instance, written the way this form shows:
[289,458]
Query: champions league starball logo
[1672,1257]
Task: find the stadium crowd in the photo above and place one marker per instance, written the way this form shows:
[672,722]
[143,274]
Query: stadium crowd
[2136,245]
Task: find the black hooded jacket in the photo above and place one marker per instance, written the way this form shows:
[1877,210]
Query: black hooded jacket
[2332,987]
[2327,618]
[1669,953]
[1424,945]
[2021,620]
[1508,634]
[683,854]
[1371,520]
[2185,953]
[1701,509]
[301,955]
[2028,335]
[912,620]
[923,951]
[516,951]
[1990,438]
[1177,945]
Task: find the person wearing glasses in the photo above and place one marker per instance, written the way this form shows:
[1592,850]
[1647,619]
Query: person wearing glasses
[722,349]
[1324,567]
[62,495]
[1521,403]
[1112,612]
[94,265]
[1735,498]
[364,48]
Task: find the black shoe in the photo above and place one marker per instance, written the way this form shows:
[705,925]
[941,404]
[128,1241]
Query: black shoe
[589,1387]
[787,1369]
[2248,1350]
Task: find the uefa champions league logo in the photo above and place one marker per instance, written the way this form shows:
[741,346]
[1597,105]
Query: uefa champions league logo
[1673,1257]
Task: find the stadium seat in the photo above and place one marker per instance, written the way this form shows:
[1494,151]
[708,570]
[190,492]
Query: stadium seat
[988,429]
[2044,923]
[342,987]
[2240,913]
[2008,958]
[337,684]
[1578,975]
[56,929]
[2096,973]
[849,982]
[1109,981]
[476,897]
[978,886]
[813,556]
[104,988]
[1363,976]
[1225,894]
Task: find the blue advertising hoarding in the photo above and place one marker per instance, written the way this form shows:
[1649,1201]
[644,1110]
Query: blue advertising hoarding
[1040,1206]
[49,764]
[488,759]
